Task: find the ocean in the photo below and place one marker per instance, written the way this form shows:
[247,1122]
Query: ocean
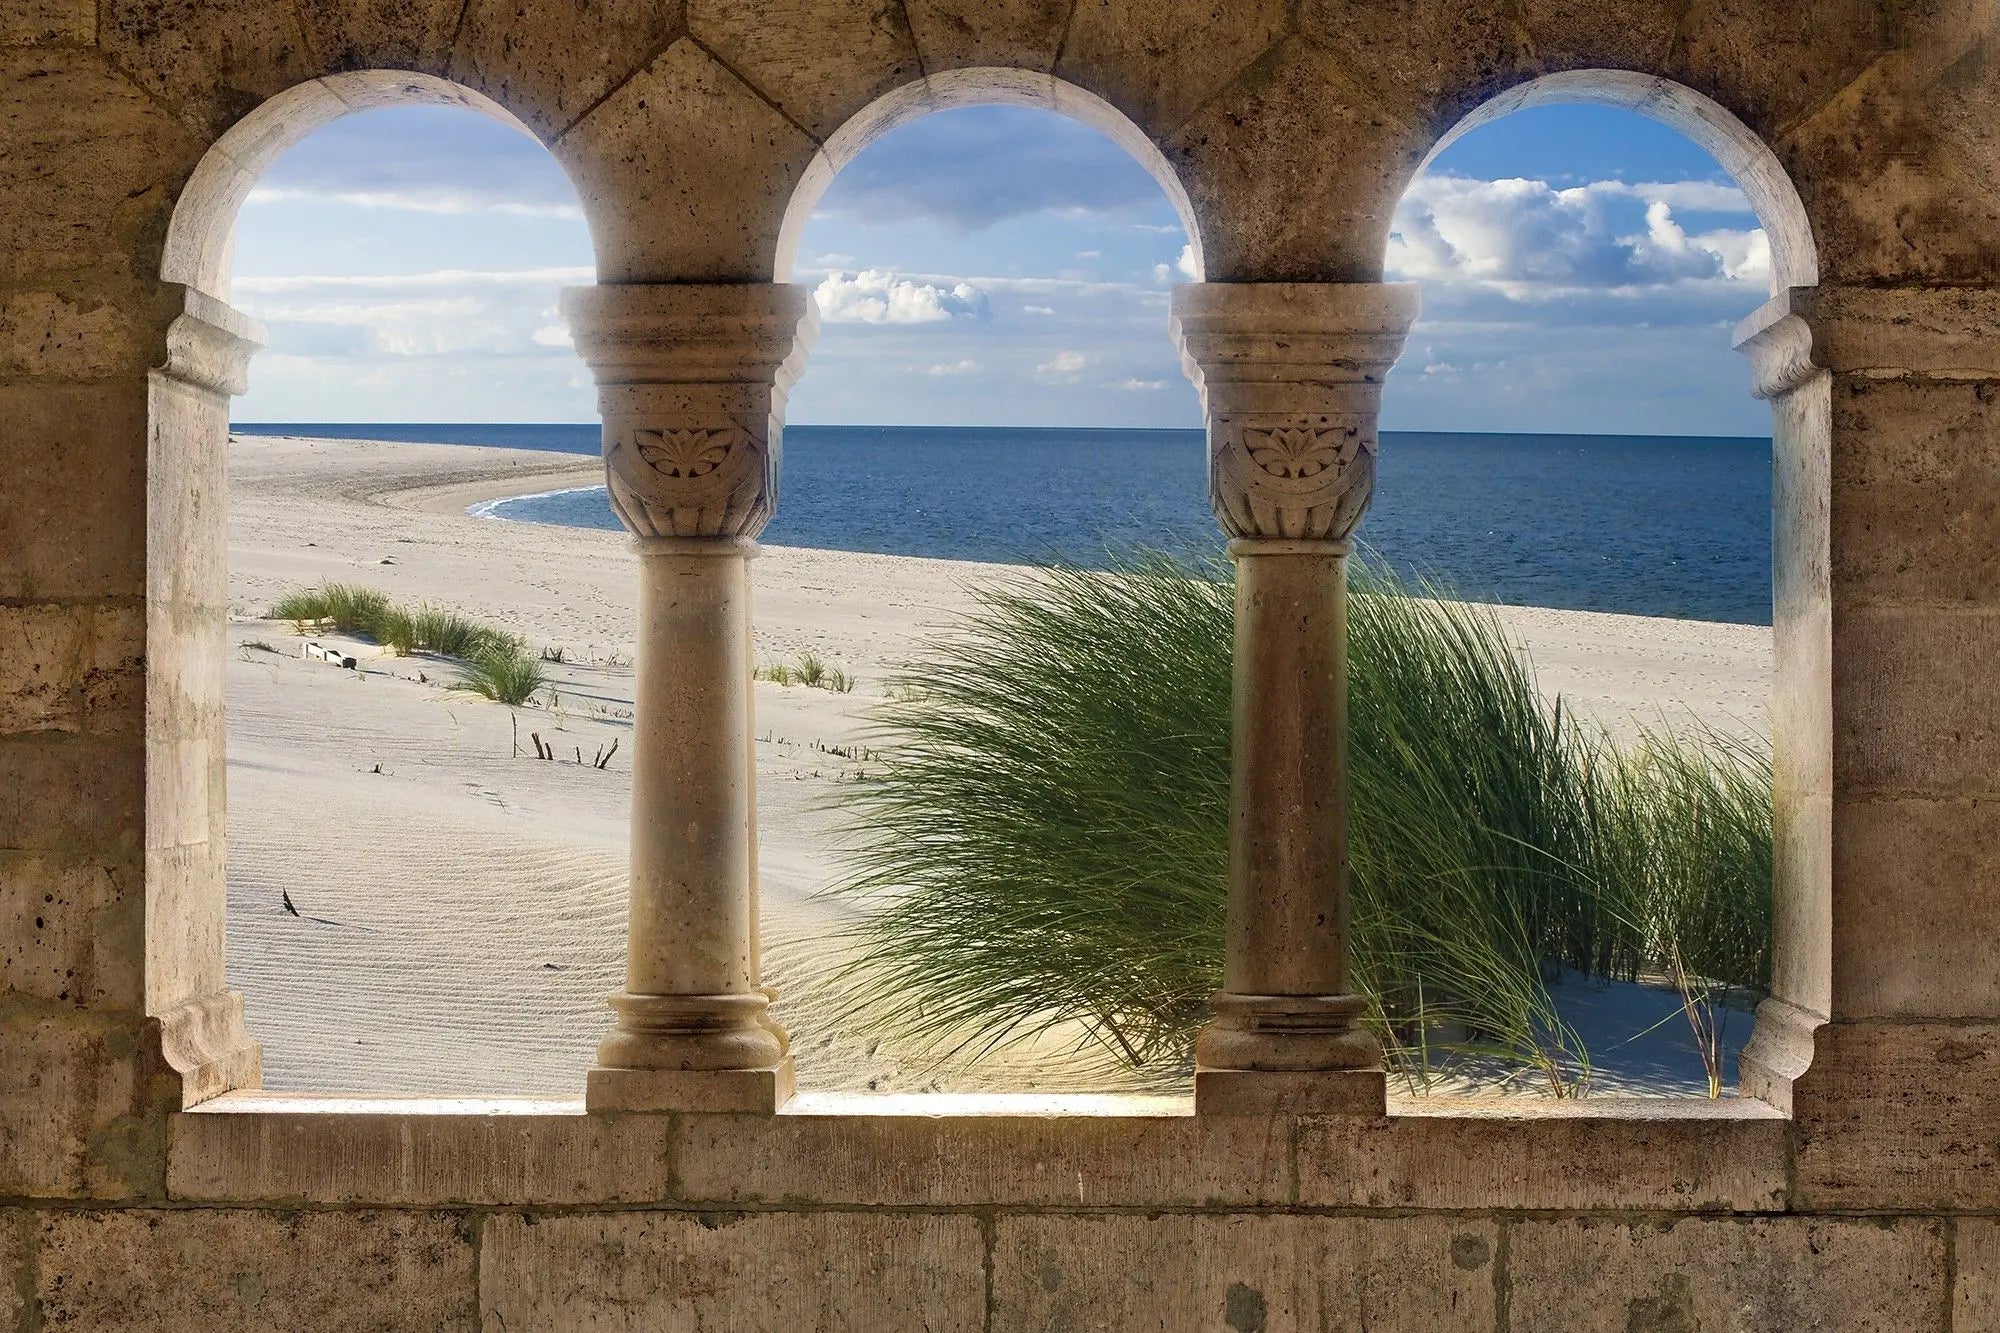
[1644,525]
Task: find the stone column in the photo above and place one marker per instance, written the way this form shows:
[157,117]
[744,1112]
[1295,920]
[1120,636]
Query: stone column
[1291,382]
[1882,1032]
[691,384]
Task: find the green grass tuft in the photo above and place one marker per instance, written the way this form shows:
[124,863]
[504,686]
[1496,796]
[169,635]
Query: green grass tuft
[510,676]
[1043,838]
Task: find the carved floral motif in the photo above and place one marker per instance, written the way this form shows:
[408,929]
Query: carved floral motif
[686,454]
[1299,452]
[1302,477]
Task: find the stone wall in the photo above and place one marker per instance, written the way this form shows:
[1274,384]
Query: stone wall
[144,1186]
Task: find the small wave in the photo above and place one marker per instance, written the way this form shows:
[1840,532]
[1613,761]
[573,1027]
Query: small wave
[498,508]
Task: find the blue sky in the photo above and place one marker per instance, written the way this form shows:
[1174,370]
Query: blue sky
[1581,268]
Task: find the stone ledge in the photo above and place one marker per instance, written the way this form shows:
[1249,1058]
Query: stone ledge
[845,1151]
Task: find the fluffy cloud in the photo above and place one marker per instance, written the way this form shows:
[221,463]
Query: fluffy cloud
[1065,367]
[875,297]
[1531,241]
[443,313]
[965,366]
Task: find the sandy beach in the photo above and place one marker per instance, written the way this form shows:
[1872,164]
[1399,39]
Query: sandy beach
[461,906]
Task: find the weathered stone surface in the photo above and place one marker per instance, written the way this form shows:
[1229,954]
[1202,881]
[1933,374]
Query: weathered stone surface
[1726,1275]
[119,151]
[1911,701]
[381,34]
[71,931]
[17,1257]
[88,465]
[819,61]
[1443,57]
[1007,1159]
[211,61]
[83,1105]
[68,792]
[257,1272]
[1773,64]
[71,668]
[1497,1153]
[77,334]
[549,64]
[1158,60]
[1592,34]
[703,201]
[1916,908]
[1915,491]
[1898,182]
[1015,34]
[1899,1114]
[1976,1302]
[408,1157]
[1112,1274]
[31,22]
[1294,174]
[834,1272]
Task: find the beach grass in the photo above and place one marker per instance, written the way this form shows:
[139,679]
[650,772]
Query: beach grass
[1043,839]
[492,663]
[511,676]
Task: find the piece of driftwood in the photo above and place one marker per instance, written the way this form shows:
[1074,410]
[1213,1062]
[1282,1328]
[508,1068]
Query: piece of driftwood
[319,652]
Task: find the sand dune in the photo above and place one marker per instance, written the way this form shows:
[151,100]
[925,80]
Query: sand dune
[461,906]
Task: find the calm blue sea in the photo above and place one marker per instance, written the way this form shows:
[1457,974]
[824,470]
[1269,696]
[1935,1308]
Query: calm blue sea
[1647,525]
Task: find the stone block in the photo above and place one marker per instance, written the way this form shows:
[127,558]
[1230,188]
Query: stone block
[326,1151]
[1294,173]
[212,61]
[1915,492]
[33,22]
[675,1272]
[1158,60]
[1912,702]
[72,931]
[1773,64]
[1011,34]
[1600,34]
[88,465]
[257,1272]
[1899,1115]
[1916,908]
[79,334]
[17,1267]
[548,64]
[186,907]
[72,669]
[87,161]
[73,795]
[1599,1154]
[1976,1300]
[945,1159]
[187,521]
[1444,57]
[381,34]
[1735,1275]
[84,1106]
[1115,1274]
[704,203]
[818,61]
[1901,177]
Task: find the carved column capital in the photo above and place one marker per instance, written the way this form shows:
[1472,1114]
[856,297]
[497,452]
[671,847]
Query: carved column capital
[691,384]
[1290,376]
[210,343]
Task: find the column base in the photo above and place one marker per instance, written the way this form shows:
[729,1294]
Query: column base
[1341,1092]
[1779,1052]
[751,1091]
[205,1042]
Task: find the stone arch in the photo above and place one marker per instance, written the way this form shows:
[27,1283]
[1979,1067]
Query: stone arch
[204,364]
[1787,375]
[1740,149]
[201,234]
[974,86]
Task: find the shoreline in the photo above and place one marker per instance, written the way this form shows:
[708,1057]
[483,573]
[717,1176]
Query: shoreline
[415,836]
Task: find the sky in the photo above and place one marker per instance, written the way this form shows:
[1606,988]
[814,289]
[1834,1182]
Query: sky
[1581,269]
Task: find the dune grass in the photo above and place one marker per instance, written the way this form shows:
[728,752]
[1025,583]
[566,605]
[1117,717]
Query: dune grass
[492,663]
[1043,840]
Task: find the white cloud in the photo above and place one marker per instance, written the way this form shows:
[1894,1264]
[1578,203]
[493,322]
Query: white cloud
[1065,367]
[1182,269]
[965,367]
[1038,310]
[1141,386]
[873,296]
[1531,241]
[393,282]
[435,199]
